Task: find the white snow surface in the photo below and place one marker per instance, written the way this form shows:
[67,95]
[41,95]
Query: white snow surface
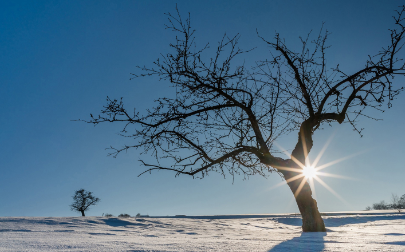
[358,231]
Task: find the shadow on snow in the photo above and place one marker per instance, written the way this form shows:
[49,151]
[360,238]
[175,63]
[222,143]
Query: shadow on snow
[115,222]
[313,242]
[337,221]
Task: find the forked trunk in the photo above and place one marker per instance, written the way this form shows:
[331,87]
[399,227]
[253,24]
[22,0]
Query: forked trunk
[311,218]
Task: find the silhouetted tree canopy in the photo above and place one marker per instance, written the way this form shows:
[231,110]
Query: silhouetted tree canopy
[82,200]
[226,116]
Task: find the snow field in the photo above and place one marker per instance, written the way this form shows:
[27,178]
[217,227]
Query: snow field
[373,232]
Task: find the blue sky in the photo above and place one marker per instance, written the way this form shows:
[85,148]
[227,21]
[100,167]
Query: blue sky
[60,59]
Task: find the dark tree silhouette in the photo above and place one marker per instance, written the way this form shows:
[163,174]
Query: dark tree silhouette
[82,200]
[225,117]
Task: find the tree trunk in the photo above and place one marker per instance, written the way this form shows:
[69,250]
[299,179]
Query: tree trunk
[311,218]
[82,212]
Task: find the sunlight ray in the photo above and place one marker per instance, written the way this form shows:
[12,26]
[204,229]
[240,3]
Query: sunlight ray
[290,203]
[287,181]
[289,169]
[334,175]
[331,190]
[304,147]
[338,161]
[300,186]
[295,177]
[312,184]
[277,185]
[318,157]
[297,162]
[289,155]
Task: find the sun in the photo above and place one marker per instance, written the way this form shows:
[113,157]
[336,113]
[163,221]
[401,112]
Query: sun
[309,172]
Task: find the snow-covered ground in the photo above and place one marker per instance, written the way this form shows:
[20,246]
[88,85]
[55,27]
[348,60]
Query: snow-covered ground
[374,231]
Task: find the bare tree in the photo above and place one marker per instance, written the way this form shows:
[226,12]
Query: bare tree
[82,200]
[401,202]
[226,117]
[397,202]
[394,201]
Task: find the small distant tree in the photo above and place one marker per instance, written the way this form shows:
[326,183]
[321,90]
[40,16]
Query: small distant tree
[381,206]
[124,215]
[82,200]
[398,203]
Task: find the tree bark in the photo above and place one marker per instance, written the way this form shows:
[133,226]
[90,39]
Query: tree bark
[82,212]
[311,218]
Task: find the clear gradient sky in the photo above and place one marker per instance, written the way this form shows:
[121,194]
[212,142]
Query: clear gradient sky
[60,59]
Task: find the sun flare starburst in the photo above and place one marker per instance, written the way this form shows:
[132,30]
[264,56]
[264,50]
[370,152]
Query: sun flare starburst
[309,172]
